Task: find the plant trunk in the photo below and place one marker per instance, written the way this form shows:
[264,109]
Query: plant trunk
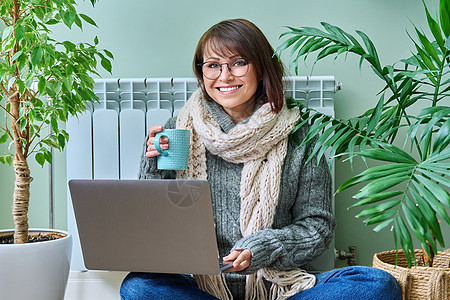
[21,200]
[428,260]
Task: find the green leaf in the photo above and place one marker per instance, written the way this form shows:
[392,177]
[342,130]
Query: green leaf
[11,81]
[378,197]
[9,160]
[328,51]
[371,49]
[437,167]
[69,46]
[67,84]
[40,158]
[321,141]
[6,159]
[52,22]
[54,124]
[23,124]
[78,22]
[378,208]
[315,128]
[305,49]
[375,173]
[405,240]
[398,151]
[39,12]
[337,33]
[51,141]
[286,44]
[395,233]
[440,193]
[384,129]
[351,148]
[4,138]
[441,111]
[429,215]
[20,86]
[69,18]
[385,155]
[428,229]
[334,140]
[20,32]
[36,55]
[66,135]
[375,118]
[41,85]
[16,55]
[432,201]
[383,225]
[434,28]
[348,134]
[381,185]
[425,62]
[428,47]
[108,53]
[439,156]
[7,32]
[106,64]
[381,217]
[47,155]
[61,141]
[415,222]
[438,178]
[442,138]
[444,9]
[88,19]
[427,130]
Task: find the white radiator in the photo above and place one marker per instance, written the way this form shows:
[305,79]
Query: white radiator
[106,141]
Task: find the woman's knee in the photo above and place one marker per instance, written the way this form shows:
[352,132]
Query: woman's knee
[132,285]
[379,281]
[139,285]
[153,285]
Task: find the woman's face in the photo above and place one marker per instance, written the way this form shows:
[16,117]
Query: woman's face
[234,94]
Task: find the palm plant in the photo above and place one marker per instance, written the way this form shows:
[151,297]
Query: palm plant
[42,82]
[407,188]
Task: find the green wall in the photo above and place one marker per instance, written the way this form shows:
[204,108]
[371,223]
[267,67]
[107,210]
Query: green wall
[158,38]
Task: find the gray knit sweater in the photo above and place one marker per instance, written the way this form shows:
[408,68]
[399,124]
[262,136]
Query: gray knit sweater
[303,223]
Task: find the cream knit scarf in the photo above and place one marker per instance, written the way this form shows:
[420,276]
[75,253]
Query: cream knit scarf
[260,144]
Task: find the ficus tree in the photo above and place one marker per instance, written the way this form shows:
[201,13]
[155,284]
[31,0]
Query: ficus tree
[43,81]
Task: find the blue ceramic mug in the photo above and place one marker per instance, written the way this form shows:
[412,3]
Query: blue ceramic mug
[176,157]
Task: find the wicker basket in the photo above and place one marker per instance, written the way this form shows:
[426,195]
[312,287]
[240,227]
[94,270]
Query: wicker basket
[419,282]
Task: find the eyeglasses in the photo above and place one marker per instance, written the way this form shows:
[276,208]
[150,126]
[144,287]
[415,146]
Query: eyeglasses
[237,68]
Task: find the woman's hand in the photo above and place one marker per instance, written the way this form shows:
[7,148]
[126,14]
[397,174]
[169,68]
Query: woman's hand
[241,258]
[163,142]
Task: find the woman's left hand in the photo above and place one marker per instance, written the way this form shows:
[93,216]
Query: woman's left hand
[241,260]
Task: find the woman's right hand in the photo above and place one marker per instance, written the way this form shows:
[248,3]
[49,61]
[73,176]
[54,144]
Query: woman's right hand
[163,142]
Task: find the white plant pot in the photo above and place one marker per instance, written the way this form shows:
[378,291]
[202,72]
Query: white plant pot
[37,271]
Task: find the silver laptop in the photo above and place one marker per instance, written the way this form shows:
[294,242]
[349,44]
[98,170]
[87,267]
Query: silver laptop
[163,226]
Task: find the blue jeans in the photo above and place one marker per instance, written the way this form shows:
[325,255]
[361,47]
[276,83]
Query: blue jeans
[359,283]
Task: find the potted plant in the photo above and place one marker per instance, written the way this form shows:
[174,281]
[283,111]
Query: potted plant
[42,83]
[406,189]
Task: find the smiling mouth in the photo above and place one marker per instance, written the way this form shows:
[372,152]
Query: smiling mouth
[228,89]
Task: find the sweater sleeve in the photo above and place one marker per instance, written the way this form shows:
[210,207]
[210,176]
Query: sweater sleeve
[303,224]
[148,166]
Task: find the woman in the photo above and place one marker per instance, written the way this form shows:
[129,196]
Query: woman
[272,210]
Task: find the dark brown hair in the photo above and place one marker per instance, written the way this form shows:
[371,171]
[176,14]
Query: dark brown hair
[239,36]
